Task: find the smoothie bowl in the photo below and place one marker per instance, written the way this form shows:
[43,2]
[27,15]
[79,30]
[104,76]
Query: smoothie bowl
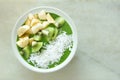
[44,39]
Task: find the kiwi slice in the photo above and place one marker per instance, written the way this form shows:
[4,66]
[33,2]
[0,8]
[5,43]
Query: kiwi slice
[37,47]
[37,37]
[60,21]
[27,52]
[55,33]
[50,34]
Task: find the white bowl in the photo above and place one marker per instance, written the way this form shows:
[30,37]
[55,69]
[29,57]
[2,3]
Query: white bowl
[20,22]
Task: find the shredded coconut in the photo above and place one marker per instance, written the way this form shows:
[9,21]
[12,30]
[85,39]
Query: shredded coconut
[53,51]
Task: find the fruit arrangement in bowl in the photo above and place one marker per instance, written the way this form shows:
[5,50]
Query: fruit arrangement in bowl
[44,40]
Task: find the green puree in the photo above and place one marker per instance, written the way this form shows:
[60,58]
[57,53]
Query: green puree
[65,27]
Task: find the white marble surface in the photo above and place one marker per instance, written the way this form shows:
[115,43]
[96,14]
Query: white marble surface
[98,53]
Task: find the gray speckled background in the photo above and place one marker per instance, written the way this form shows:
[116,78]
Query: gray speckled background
[98,53]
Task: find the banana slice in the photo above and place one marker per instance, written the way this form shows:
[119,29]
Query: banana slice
[34,21]
[45,32]
[50,19]
[29,31]
[23,36]
[27,22]
[34,43]
[29,19]
[36,28]
[30,16]
[23,42]
[35,16]
[31,40]
[22,30]
[42,15]
[45,24]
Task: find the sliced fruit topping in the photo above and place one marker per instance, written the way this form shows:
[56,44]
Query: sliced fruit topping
[22,30]
[23,42]
[59,21]
[27,51]
[30,16]
[37,37]
[42,15]
[37,46]
[50,19]
[55,33]
[36,28]
[34,21]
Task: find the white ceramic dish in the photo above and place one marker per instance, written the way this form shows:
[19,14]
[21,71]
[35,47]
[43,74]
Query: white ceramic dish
[20,22]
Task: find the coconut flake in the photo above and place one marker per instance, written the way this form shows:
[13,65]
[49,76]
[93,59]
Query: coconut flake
[53,51]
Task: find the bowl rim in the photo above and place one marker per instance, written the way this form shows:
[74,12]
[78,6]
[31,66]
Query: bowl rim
[74,35]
